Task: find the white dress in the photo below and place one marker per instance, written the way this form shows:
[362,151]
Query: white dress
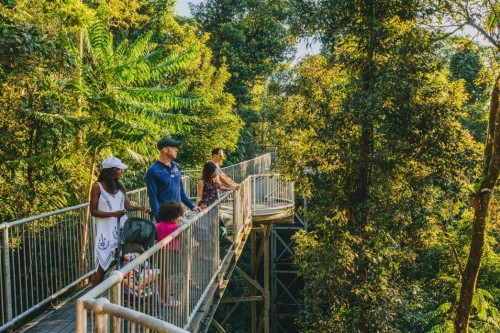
[106,240]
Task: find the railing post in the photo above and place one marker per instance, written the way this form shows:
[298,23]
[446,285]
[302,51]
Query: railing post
[81,317]
[6,273]
[253,193]
[116,298]
[291,193]
[236,214]
[187,258]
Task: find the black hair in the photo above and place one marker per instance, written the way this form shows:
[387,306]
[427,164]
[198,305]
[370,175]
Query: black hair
[216,151]
[208,170]
[107,176]
[170,210]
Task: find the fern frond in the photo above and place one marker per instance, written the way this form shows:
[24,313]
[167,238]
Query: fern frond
[156,94]
[171,65]
[446,327]
[99,41]
[480,304]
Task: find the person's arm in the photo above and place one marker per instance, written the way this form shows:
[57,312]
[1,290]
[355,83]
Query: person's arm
[228,182]
[152,193]
[221,187]
[185,200]
[199,192]
[94,200]
[131,208]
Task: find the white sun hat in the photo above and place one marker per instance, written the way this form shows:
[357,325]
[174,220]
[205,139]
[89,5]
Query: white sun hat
[113,162]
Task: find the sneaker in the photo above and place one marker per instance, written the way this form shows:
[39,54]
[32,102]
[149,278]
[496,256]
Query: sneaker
[171,302]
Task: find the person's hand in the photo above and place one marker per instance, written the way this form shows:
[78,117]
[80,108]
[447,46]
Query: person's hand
[197,209]
[118,213]
[146,209]
[236,186]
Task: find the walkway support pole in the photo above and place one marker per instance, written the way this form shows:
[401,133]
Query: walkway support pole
[267,296]
[253,275]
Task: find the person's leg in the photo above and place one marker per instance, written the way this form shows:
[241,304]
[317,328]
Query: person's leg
[98,277]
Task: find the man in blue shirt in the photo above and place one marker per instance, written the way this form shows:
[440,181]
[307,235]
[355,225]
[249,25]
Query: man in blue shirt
[163,178]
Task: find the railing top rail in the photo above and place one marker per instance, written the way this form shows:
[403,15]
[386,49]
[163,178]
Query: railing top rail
[55,212]
[232,165]
[41,216]
[143,319]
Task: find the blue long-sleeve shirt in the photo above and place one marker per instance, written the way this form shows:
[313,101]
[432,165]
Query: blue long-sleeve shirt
[165,183]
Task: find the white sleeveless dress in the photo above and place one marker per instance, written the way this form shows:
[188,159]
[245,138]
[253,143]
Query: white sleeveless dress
[106,240]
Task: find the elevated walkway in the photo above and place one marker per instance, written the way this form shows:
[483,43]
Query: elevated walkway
[47,256]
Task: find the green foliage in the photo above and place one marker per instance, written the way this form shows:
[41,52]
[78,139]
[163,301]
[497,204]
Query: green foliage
[32,179]
[213,124]
[64,112]
[485,317]
[126,105]
[252,38]
[372,137]
[466,64]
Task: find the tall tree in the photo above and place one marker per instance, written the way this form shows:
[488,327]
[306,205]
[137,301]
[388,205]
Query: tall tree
[484,17]
[371,134]
[215,122]
[34,63]
[252,38]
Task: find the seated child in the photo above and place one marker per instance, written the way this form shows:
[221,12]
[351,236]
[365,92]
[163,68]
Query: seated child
[138,281]
[168,215]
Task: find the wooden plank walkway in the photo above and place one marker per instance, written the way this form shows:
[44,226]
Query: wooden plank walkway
[60,319]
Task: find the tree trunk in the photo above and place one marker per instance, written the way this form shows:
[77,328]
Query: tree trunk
[471,272]
[480,202]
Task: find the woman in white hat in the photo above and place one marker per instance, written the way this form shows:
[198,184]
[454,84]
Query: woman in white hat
[109,201]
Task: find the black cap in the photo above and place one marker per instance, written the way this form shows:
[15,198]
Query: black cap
[167,142]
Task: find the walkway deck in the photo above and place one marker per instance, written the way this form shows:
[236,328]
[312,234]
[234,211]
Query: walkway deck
[60,319]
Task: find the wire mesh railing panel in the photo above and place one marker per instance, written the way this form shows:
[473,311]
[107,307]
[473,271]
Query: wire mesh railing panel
[271,193]
[239,172]
[45,256]
[190,182]
[40,259]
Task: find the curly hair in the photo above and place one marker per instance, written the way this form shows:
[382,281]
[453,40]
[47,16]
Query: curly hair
[170,210]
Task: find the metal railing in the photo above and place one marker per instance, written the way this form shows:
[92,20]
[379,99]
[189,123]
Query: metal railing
[45,256]
[237,172]
[187,264]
